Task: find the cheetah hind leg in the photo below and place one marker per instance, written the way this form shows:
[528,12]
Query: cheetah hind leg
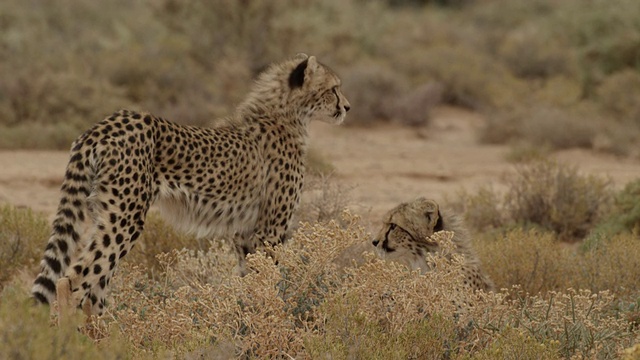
[65,306]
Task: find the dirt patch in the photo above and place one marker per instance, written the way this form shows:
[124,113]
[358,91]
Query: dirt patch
[384,164]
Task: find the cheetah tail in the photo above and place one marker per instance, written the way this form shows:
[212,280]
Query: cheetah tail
[64,235]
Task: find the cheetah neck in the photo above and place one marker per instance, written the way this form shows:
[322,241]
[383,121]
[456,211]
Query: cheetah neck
[293,120]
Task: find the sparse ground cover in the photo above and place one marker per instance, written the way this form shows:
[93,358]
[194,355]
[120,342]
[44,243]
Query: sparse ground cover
[176,297]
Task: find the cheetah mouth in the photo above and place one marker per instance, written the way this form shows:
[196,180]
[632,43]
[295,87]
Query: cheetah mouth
[386,248]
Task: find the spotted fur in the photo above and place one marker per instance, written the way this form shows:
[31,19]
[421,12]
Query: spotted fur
[241,179]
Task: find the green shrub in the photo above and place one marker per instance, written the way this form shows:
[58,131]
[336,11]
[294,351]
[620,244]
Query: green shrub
[625,212]
[605,37]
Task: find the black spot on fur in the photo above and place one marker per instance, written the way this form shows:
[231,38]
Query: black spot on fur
[54,264]
[41,298]
[296,78]
[47,284]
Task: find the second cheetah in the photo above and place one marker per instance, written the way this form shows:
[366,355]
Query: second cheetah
[405,237]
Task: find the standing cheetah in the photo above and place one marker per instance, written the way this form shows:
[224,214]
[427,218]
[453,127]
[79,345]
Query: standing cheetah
[241,179]
[405,237]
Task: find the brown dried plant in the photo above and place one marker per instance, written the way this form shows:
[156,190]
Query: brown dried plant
[307,308]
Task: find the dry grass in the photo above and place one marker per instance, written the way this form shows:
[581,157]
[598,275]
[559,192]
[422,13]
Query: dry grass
[538,263]
[22,235]
[305,307]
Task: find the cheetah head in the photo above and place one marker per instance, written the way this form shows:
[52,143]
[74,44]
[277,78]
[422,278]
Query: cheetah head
[302,86]
[405,233]
[316,88]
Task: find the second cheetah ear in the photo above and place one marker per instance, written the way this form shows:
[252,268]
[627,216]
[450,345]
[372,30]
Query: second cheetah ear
[301,56]
[439,223]
[312,66]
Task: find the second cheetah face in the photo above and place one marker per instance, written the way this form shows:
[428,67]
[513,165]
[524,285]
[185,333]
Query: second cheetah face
[404,236]
[317,90]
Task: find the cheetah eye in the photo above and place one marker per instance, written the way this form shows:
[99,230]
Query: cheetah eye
[392,226]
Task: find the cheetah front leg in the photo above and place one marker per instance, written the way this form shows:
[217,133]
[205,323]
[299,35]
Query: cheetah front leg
[65,302]
[243,246]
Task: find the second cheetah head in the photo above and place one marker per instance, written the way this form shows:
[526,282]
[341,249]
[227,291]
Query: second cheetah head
[406,231]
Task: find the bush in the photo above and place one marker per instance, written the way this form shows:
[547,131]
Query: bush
[160,237]
[606,38]
[527,153]
[372,91]
[556,198]
[323,200]
[567,324]
[414,107]
[537,263]
[23,236]
[305,307]
[625,212]
[471,79]
[482,210]
[620,95]
[529,259]
[558,129]
[531,51]
[543,126]
[543,194]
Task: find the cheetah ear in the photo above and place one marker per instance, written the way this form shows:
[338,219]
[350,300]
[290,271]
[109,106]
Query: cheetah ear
[296,78]
[303,72]
[301,56]
[313,65]
[439,223]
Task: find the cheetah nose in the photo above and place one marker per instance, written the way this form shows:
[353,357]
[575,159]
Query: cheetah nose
[346,108]
[375,242]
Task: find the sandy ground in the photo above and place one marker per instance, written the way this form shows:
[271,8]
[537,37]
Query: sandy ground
[382,165]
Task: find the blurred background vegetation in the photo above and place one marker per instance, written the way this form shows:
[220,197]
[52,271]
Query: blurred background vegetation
[554,73]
